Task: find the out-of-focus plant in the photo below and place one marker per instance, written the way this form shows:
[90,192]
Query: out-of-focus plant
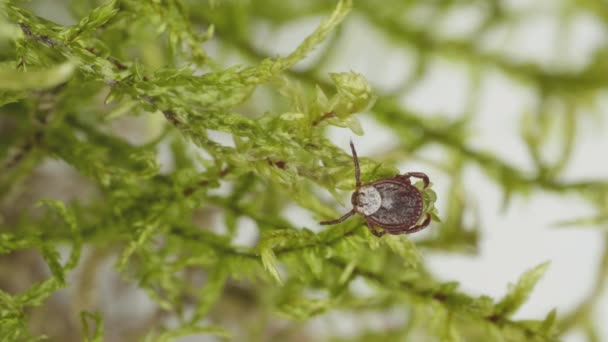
[65,91]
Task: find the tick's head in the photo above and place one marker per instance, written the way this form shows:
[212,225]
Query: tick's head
[366,200]
[354,198]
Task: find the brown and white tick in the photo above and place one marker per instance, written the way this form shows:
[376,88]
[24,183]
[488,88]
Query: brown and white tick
[393,204]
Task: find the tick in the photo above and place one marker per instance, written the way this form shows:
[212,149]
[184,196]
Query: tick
[393,204]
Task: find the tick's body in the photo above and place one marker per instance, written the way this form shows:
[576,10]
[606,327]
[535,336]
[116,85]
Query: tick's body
[393,204]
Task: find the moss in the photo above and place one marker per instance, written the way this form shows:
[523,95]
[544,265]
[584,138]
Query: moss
[65,89]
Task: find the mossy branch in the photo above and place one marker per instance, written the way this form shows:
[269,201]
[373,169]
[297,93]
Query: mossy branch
[65,91]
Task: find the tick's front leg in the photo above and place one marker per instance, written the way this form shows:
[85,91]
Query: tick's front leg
[336,221]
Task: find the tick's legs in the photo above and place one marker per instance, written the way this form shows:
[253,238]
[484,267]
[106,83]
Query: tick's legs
[357,179]
[374,231]
[356,160]
[409,230]
[423,176]
[341,219]
[421,226]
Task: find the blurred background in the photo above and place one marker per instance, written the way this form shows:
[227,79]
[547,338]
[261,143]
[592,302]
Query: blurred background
[504,106]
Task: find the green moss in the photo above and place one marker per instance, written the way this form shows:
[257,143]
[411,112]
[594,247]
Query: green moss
[65,89]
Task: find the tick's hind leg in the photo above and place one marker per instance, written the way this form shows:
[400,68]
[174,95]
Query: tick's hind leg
[405,178]
[421,175]
[421,226]
[373,230]
[413,229]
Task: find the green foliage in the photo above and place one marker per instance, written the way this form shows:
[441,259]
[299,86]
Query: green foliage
[12,314]
[132,83]
[98,331]
[14,80]
[519,293]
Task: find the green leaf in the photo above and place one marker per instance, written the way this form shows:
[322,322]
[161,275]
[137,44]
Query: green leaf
[7,97]
[97,332]
[354,94]
[312,41]
[52,259]
[95,19]
[598,221]
[269,260]
[186,330]
[519,292]
[549,322]
[285,238]
[7,31]
[211,292]
[144,234]
[304,308]
[39,292]
[36,79]
[405,248]
[7,301]
[69,218]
